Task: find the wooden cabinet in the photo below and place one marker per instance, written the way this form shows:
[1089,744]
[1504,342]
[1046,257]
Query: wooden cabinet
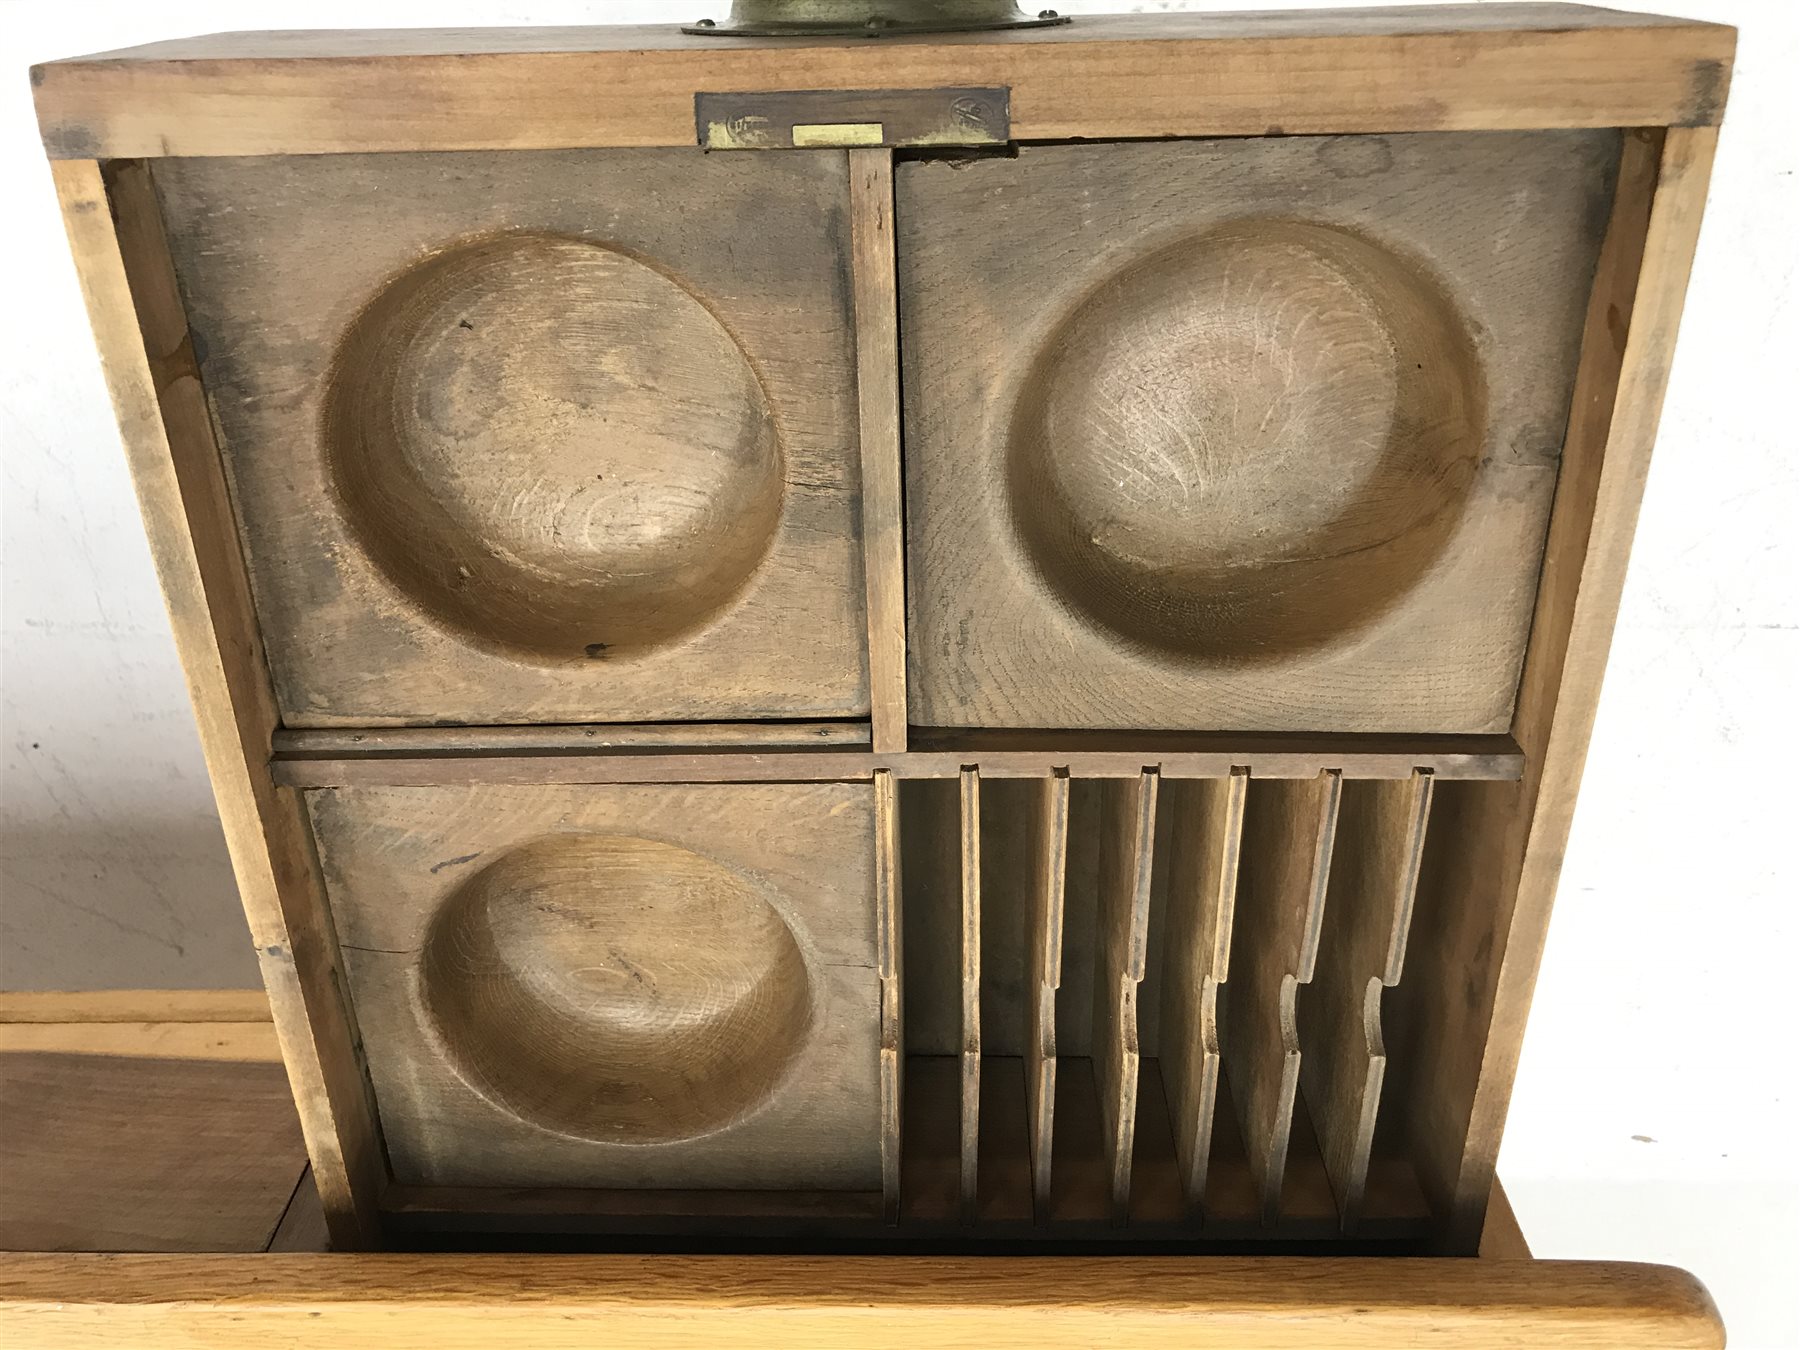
[958,638]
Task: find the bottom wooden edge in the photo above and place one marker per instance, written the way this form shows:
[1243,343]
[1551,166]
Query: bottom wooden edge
[446,1302]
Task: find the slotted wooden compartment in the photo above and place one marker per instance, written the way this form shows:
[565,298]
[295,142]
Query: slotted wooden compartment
[1010,670]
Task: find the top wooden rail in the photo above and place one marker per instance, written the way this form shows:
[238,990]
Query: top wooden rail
[1423,68]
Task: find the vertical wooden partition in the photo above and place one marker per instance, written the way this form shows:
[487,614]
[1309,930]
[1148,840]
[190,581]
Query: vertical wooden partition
[1289,827]
[1207,821]
[1044,939]
[1126,844]
[1362,944]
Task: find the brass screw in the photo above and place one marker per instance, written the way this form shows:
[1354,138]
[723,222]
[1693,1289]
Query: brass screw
[706,23]
[1047,14]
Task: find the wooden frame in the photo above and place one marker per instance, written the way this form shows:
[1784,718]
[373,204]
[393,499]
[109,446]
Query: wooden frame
[211,1048]
[1490,865]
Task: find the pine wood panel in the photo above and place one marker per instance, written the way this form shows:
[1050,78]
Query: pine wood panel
[1435,67]
[613,307]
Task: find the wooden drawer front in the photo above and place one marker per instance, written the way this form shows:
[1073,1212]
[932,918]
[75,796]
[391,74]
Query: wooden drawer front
[545,437]
[1257,434]
[614,987]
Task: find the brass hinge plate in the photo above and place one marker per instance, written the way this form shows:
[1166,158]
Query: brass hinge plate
[803,118]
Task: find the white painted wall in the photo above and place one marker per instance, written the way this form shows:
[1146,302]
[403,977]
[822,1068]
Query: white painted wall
[1658,1106]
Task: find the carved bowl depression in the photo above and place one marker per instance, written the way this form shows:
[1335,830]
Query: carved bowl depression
[1246,443]
[615,988]
[552,448]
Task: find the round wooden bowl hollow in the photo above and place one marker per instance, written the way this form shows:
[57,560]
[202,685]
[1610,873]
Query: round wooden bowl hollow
[1246,443]
[551,447]
[615,988]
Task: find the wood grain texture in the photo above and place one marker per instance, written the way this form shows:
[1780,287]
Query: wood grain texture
[1206,833]
[890,962]
[615,987]
[121,255]
[878,426]
[1492,859]
[1044,954]
[548,1303]
[1362,947]
[1285,860]
[135,1005]
[1080,317]
[660,342]
[1437,67]
[1084,755]
[969,931]
[145,1142]
[1127,839]
[333,742]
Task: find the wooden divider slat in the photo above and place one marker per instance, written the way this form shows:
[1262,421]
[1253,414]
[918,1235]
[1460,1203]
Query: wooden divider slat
[1050,854]
[878,427]
[969,796]
[1207,833]
[1126,843]
[1286,857]
[887,946]
[1368,908]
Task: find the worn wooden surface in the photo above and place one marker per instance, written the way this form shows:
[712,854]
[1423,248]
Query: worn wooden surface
[1079,504]
[1362,948]
[686,548]
[131,1123]
[49,1302]
[671,987]
[1289,829]
[878,422]
[1128,834]
[889,962]
[1438,67]
[1494,853]
[1047,873]
[1206,827]
[148,357]
[463,756]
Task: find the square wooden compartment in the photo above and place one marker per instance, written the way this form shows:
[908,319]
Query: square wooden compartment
[668,987]
[535,437]
[1255,433]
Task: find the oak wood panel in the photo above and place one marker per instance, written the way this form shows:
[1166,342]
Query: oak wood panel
[1206,832]
[1286,856]
[116,234]
[1362,947]
[878,424]
[547,1303]
[1102,346]
[459,506]
[1493,856]
[659,987]
[1443,67]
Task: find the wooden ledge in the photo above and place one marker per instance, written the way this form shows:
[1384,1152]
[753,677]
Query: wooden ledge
[1418,68]
[548,1302]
